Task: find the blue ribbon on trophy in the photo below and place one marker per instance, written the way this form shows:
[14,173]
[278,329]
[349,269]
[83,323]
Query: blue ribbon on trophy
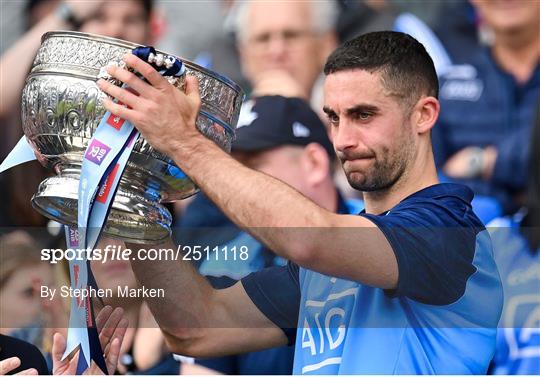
[103,164]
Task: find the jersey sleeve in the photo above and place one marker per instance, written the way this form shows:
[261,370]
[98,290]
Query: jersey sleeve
[434,244]
[276,293]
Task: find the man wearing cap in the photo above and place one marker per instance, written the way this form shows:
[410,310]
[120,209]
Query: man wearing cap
[284,138]
[408,286]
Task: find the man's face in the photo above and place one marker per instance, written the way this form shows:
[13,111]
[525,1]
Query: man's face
[280,36]
[371,134]
[123,19]
[509,15]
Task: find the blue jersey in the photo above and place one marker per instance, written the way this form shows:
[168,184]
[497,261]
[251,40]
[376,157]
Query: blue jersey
[202,215]
[518,339]
[441,318]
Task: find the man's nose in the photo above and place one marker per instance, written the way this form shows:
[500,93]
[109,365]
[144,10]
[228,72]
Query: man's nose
[277,47]
[344,137]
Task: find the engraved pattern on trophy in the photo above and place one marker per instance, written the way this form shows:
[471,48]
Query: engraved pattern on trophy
[62,107]
[81,56]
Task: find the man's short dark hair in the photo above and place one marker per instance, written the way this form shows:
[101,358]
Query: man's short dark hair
[406,68]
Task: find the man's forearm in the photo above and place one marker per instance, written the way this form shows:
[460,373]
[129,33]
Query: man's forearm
[198,320]
[270,212]
[187,295]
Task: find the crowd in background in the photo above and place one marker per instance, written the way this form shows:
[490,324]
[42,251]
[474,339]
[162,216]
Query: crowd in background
[487,56]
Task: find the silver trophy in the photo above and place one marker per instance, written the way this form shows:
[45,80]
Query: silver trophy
[61,108]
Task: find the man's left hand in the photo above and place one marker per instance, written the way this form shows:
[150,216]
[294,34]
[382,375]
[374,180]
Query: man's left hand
[112,327]
[472,162]
[163,114]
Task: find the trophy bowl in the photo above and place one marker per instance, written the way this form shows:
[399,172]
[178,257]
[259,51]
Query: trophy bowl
[62,107]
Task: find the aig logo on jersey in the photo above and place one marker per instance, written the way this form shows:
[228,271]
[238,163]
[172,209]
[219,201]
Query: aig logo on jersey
[325,321]
[522,326]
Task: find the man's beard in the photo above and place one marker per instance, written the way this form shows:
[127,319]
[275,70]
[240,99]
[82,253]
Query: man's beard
[384,172]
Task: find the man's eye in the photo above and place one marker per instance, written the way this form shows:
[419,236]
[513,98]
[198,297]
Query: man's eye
[364,116]
[261,38]
[333,119]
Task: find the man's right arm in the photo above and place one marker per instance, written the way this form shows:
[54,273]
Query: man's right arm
[200,321]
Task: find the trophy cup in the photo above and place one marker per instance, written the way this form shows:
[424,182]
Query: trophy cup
[61,108]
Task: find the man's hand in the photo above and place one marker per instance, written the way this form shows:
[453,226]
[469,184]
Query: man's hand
[8,365]
[163,114]
[112,328]
[277,82]
[472,162]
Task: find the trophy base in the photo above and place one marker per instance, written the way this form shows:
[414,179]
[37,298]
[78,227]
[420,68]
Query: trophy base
[132,217]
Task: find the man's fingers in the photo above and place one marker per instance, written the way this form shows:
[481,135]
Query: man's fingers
[110,326]
[192,87]
[58,347]
[121,329]
[8,365]
[148,72]
[28,372]
[112,355]
[103,316]
[121,94]
[134,82]
[119,110]
[119,334]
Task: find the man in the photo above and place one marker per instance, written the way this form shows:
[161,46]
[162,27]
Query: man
[291,36]
[488,100]
[284,138]
[408,286]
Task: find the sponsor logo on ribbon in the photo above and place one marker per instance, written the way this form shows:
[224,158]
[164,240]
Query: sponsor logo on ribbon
[115,121]
[73,237]
[96,152]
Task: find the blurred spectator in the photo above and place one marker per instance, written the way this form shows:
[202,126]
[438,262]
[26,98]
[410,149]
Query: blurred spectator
[457,28]
[361,16]
[282,44]
[199,32]
[21,274]
[516,247]
[143,349]
[426,11]
[284,138]
[482,136]
[294,36]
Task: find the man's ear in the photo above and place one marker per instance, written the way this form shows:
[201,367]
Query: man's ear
[425,114]
[315,164]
